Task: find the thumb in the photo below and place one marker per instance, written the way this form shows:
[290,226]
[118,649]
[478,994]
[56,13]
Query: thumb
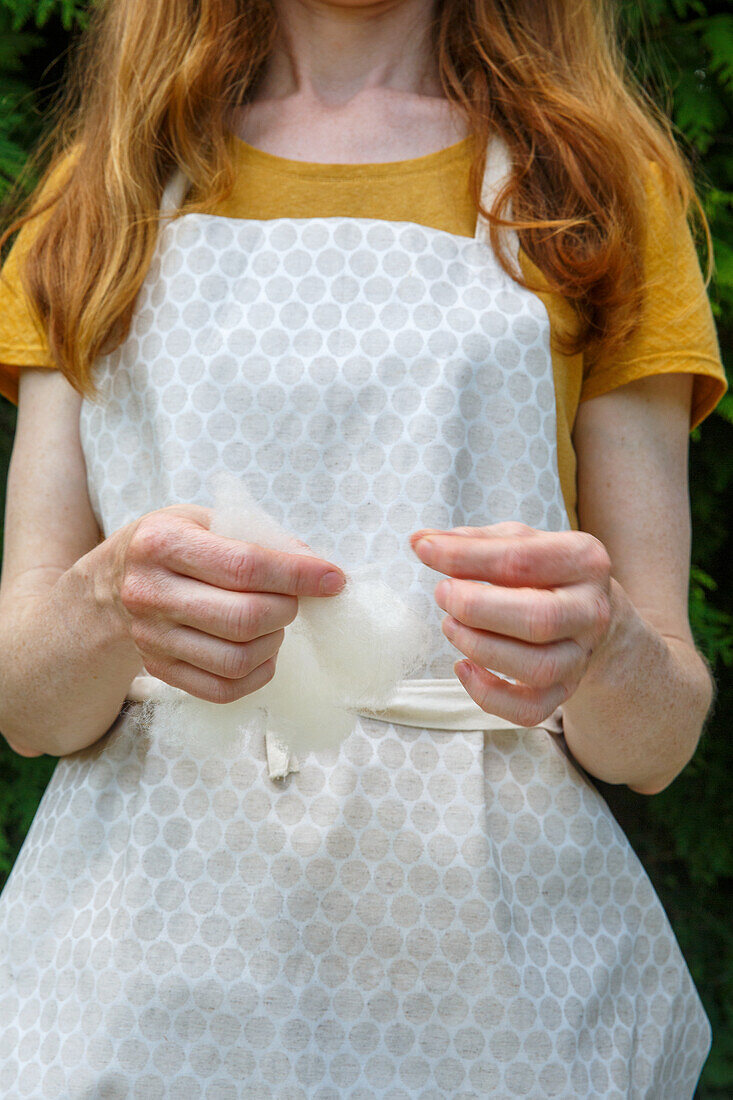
[198,513]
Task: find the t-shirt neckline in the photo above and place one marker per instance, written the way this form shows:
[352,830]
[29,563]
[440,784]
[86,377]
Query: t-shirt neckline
[426,163]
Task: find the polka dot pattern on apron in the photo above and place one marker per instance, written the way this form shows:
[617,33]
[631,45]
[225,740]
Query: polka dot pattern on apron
[365,378]
[422,914]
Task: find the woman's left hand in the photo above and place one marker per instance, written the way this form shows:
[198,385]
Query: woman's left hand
[547,609]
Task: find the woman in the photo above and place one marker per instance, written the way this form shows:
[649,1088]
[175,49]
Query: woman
[433,274]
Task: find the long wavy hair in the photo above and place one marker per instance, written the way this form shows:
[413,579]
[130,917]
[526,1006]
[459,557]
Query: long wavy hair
[154,84]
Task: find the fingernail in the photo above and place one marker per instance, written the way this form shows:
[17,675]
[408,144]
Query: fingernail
[462,669]
[416,536]
[331,583]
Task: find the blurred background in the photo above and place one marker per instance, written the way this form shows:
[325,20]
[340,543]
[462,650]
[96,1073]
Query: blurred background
[682,51]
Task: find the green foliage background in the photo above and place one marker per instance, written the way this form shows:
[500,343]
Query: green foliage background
[682,50]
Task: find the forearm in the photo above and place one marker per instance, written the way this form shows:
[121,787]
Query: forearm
[66,661]
[638,713]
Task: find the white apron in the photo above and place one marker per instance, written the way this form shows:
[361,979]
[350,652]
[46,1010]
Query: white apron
[433,912]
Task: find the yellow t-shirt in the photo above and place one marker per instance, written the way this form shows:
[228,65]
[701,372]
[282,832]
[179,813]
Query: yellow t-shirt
[677,332]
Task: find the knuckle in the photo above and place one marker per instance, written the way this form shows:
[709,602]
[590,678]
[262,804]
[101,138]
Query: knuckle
[269,665]
[152,638]
[236,662]
[464,598]
[530,712]
[593,554]
[160,668]
[453,557]
[136,593]
[224,690]
[286,609]
[140,633]
[245,568]
[245,617]
[209,693]
[602,612]
[515,566]
[153,538]
[564,691]
[483,697]
[546,671]
[449,627]
[543,618]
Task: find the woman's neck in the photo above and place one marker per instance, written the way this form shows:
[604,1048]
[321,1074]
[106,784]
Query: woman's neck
[349,83]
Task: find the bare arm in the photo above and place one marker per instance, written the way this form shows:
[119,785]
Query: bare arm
[80,617]
[65,660]
[593,620]
[638,712]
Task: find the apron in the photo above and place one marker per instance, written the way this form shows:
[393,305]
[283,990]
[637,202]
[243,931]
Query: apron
[439,908]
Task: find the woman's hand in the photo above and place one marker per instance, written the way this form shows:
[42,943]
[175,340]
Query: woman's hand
[207,613]
[547,608]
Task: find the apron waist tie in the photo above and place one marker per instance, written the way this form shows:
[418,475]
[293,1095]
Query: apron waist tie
[441,703]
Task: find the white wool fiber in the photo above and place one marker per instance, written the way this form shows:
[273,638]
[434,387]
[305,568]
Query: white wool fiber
[344,651]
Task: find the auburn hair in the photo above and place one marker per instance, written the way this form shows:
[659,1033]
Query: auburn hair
[153,85]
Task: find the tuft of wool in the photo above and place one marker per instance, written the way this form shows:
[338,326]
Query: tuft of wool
[340,654]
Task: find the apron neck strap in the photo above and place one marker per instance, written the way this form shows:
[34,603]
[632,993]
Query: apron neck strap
[497,171]
[174,193]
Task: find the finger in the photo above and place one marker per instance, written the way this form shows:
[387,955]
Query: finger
[549,559]
[205,685]
[515,702]
[506,529]
[191,550]
[234,616]
[233,660]
[534,615]
[538,666]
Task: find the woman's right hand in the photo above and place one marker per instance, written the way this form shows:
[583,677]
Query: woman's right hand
[207,613]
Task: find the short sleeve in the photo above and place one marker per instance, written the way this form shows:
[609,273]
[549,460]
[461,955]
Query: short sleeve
[676,330]
[23,342]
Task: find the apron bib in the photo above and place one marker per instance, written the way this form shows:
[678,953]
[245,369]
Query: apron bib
[365,377]
[426,912]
